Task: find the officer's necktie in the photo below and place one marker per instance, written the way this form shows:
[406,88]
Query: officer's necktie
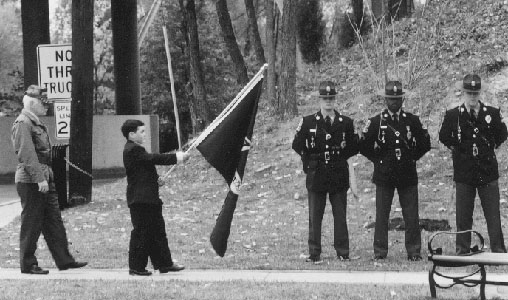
[473,115]
[328,122]
[395,118]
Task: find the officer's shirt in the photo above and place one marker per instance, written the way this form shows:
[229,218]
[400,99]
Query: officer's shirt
[473,142]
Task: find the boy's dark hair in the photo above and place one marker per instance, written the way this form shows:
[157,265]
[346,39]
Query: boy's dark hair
[130,126]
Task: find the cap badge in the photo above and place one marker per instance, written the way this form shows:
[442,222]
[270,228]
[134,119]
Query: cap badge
[473,83]
[328,89]
[394,88]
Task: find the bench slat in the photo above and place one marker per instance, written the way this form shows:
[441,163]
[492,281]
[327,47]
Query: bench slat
[483,258]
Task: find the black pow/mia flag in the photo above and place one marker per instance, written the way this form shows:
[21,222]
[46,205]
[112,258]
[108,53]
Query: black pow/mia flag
[226,148]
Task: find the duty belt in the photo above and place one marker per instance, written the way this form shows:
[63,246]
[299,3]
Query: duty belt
[325,156]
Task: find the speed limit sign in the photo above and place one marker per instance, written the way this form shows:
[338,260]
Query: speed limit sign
[63,119]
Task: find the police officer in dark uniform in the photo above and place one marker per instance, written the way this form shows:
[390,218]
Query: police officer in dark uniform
[394,140]
[472,131]
[325,140]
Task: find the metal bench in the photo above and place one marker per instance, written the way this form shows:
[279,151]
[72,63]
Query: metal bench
[476,258]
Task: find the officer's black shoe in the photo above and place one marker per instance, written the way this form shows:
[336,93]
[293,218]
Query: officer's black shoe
[414,258]
[379,257]
[35,269]
[343,257]
[139,273]
[314,259]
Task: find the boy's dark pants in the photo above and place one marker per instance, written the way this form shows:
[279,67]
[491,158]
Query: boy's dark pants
[148,238]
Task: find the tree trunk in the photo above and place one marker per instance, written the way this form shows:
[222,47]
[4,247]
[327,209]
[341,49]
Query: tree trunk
[35,27]
[270,49]
[287,95]
[357,6]
[229,38]
[254,32]
[80,152]
[199,108]
[126,57]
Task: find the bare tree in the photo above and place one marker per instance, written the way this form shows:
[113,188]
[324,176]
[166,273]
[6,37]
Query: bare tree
[200,110]
[254,31]
[270,50]
[230,40]
[287,95]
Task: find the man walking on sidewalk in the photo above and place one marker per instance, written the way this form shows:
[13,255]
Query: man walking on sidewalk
[35,186]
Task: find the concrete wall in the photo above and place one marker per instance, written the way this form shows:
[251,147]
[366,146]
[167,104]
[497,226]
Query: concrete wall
[107,148]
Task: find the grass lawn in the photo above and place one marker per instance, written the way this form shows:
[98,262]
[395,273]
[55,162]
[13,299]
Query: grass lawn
[147,289]
[270,225]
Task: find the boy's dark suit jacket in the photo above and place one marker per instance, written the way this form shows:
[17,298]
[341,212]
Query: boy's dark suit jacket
[142,185]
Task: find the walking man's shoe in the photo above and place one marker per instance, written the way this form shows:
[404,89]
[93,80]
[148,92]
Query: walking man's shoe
[343,257]
[35,269]
[140,273]
[73,265]
[172,268]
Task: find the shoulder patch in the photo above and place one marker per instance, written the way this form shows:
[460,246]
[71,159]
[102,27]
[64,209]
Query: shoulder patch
[299,125]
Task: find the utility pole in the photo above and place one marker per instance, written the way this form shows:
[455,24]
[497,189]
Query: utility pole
[80,150]
[35,27]
[126,57]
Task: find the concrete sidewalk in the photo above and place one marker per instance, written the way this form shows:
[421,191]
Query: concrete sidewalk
[9,210]
[336,277]
[229,275]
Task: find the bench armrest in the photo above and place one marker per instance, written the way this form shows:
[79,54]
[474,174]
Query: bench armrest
[438,251]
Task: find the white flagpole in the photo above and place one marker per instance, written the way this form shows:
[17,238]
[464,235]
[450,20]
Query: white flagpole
[173,94]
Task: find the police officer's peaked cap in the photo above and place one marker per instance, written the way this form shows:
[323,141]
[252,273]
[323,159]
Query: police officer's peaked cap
[36,91]
[393,89]
[471,83]
[327,89]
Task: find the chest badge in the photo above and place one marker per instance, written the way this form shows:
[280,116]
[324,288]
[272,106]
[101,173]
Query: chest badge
[366,127]
[328,136]
[488,119]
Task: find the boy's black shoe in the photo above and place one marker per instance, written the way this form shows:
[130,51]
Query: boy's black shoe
[73,265]
[139,273]
[173,268]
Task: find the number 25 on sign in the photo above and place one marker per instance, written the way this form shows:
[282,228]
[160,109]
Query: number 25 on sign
[63,119]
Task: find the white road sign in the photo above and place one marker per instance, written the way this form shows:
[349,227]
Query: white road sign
[63,119]
[55,65]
